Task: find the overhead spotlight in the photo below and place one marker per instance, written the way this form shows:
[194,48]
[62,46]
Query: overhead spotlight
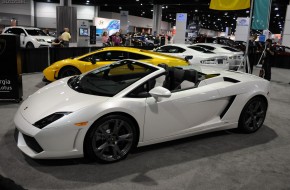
[196,10]
[276,9]
[120,7]
[247,11]
[277,15]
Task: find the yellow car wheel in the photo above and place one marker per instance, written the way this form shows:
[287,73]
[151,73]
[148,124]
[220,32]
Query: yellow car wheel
[68,71]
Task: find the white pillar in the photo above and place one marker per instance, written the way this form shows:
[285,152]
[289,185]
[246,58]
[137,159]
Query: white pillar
[157,17]
[286,33]
[124,21]
[97,11]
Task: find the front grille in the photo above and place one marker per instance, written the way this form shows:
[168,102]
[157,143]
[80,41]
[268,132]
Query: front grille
[32,143]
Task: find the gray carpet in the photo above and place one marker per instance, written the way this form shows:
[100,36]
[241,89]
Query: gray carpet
[220,160]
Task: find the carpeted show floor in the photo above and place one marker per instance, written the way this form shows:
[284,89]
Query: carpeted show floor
[219,160]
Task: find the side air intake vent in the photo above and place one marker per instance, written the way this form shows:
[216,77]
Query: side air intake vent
[230,80]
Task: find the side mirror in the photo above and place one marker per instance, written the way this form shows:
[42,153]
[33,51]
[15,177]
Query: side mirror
[188,57]
[160,92]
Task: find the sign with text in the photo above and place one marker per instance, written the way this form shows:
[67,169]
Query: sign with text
[10,77]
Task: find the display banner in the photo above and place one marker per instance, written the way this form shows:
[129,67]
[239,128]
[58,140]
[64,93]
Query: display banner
[181,21]
[262,9]
[229,4]
[10,74]
[242,29]
[93,35]
[109,25]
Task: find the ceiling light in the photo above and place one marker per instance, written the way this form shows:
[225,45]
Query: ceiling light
[276,9]
[120,7]
[277,15]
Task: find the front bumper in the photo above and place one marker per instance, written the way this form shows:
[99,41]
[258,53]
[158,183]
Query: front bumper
[51,143]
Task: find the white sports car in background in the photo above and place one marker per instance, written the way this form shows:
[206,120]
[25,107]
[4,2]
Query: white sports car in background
[235,56]
[106,112]
[199,55]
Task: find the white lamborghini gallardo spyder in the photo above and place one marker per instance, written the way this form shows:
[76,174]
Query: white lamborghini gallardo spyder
[104,113]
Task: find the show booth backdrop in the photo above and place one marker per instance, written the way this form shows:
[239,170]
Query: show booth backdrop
[109,25]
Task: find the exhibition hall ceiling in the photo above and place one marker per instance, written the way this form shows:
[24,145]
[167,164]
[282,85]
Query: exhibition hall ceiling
[196,10]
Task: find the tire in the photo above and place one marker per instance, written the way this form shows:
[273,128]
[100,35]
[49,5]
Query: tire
[253,115]
[68,71]
[29,45]
[110,139]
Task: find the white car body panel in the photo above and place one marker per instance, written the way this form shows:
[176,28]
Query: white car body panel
[198,56]
[235,58]
[37,41]
[184,113]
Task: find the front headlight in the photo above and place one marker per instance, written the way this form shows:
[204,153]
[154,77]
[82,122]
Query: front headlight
[49,119]
[40,40]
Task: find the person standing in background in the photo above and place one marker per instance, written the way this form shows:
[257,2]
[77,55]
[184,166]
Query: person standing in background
[268,56]
[162,40]
[252,53]
[65,36]
[117,40]
[105,39]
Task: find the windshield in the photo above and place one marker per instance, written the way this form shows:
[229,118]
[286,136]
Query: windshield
[35,32]
[111,79]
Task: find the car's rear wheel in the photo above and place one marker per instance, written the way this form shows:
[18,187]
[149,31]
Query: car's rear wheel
[110,139]
[253,115]
[68,71]
[29,45]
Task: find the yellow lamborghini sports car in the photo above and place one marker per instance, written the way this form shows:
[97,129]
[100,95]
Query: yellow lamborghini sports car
[104,56]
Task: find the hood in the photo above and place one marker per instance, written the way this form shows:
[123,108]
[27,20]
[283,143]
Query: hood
[46,38]
[56,97]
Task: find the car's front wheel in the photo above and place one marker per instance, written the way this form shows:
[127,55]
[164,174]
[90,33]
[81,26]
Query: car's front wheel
[253,115]
[29,45]
[110,139]
[68,71]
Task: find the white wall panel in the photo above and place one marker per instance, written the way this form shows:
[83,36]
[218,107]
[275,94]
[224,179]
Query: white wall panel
[47,10]
[85,12]
[20,9]
[286,33]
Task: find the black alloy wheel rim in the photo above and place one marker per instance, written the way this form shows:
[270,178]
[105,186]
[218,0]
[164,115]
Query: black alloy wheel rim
[112,140]
[255,115]
[68,72]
